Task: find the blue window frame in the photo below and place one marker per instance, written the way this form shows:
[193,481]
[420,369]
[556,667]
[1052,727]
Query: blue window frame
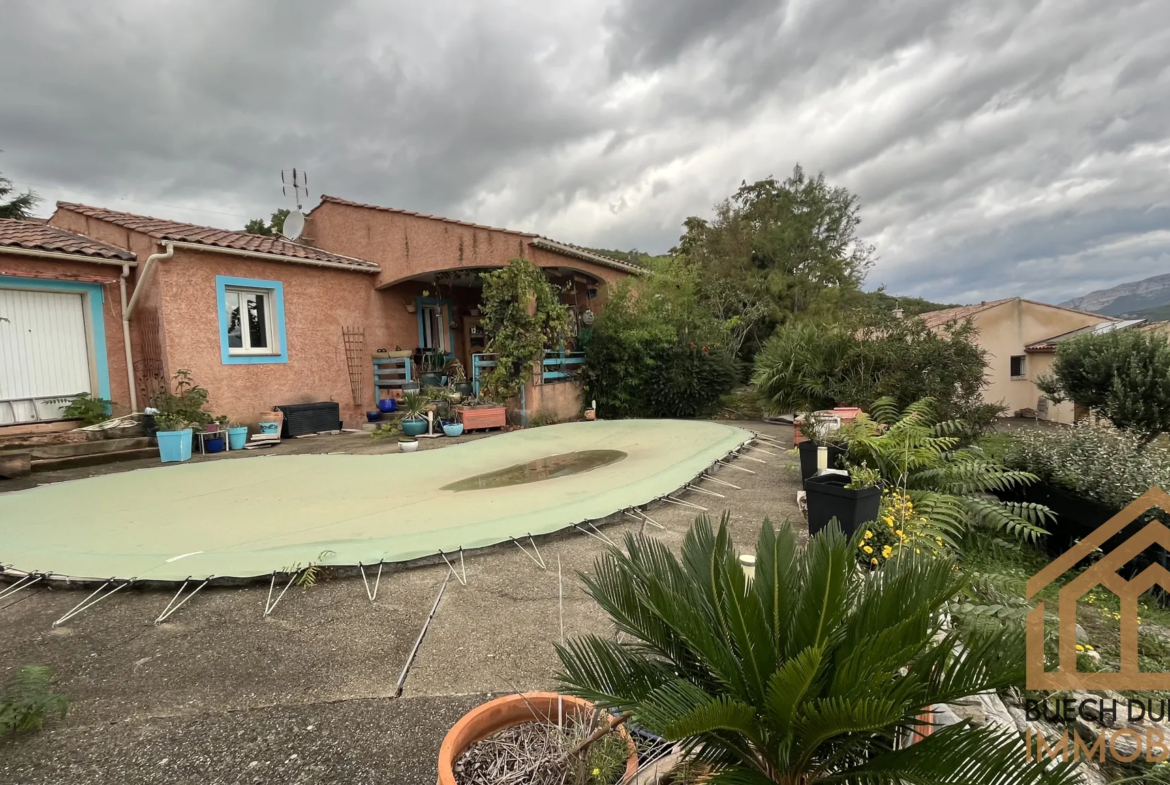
[94,301]
[251,321]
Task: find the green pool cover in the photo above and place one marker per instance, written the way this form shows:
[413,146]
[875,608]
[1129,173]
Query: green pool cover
[250,517]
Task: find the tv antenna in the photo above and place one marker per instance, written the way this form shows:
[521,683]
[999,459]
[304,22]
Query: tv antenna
[295,184]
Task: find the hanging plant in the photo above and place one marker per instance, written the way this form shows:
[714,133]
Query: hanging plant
[522,316]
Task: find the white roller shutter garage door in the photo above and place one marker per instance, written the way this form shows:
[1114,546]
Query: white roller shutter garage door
[44,352]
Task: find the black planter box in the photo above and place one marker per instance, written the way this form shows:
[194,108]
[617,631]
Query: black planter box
[305,418]
[808,457]
[828,498]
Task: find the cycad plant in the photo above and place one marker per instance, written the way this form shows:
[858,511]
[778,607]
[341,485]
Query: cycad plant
[949,485]
[811,672]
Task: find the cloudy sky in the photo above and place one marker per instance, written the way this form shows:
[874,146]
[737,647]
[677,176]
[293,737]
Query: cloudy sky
[999,147]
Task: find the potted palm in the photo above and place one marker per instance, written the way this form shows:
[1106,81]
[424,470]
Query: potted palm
[414,410]
[782,679]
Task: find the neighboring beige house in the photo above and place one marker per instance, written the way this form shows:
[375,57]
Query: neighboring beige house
[1020,337]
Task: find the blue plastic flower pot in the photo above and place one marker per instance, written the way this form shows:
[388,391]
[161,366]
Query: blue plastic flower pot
[174,446]
[453,429]
[387,405]
[414,427]
[213,445]
[238,437]
[373,416]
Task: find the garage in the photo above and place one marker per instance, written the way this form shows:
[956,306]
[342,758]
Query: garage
[45,352]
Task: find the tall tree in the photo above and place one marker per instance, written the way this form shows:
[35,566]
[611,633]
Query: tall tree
[19,206]
[791,246]
[273,228]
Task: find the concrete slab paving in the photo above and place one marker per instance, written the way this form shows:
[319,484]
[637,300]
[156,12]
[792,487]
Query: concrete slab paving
[222,695]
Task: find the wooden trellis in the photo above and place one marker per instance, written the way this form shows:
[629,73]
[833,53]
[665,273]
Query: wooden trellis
[355,359]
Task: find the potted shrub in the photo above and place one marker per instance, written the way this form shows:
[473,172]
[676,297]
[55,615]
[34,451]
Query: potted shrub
[574,715]
[414,410]
[407,444]
[852,499]
[174,438]
[237,435]
[818,430]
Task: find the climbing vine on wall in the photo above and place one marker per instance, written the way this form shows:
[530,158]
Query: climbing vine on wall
[522,316]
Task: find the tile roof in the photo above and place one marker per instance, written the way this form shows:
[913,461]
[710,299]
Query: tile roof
[39,236]
[348,203]
[939,318]
[565,249]
[578,252]
[162,229]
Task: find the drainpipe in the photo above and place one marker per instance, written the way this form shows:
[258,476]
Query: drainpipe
[128,310]
[126,338]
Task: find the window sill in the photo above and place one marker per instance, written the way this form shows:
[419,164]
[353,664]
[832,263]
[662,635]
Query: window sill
[1019,378]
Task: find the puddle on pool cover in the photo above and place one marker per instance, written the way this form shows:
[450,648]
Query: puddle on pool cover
[548,468]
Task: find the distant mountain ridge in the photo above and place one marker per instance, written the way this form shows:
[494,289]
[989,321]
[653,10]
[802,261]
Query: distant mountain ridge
[1145,299]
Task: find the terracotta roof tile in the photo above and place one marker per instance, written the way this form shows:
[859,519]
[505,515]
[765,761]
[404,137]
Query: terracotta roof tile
[566,249]
[348,203]
[39,236]
[939,318]
[162,229]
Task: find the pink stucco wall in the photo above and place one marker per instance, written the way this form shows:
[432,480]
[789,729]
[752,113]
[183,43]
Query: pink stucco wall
[36,268]
[410,245]
[318,303]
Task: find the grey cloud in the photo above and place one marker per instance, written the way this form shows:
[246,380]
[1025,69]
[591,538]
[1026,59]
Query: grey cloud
[998,147]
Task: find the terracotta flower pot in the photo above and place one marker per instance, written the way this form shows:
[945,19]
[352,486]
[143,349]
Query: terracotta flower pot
[506,712]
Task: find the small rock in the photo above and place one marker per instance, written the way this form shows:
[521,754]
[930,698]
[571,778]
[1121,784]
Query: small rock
[253,764]
[1082,636]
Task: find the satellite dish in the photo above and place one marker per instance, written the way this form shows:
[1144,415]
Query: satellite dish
[294,224]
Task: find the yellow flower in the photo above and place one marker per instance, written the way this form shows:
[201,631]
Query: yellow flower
[938,540]
[867,549]
[898,532]
[886,551]
[596,772]
[868,534]
[1080,647]
[873,561]
[889,520]
[1089,648]
[917,551]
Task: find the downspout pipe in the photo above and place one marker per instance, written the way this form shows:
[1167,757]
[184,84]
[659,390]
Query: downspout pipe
[143,279]
[128,311]
[126,338]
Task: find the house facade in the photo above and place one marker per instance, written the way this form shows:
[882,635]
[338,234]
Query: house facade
[114,304]
[1020,338]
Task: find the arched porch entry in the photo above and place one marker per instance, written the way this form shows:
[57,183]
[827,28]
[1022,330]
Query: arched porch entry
[436,315]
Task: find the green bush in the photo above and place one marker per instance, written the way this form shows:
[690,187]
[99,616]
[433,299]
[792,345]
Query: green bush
[808,366]
[27,701]
[1111,466]
[184,406]
[656,352]
[1123,375]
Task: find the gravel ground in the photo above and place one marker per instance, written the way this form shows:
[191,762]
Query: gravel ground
[219,694]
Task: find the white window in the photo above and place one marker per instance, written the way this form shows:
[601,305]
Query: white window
[1019,366]
[251,316]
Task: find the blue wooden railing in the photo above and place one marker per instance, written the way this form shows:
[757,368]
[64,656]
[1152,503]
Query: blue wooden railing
[557,365]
